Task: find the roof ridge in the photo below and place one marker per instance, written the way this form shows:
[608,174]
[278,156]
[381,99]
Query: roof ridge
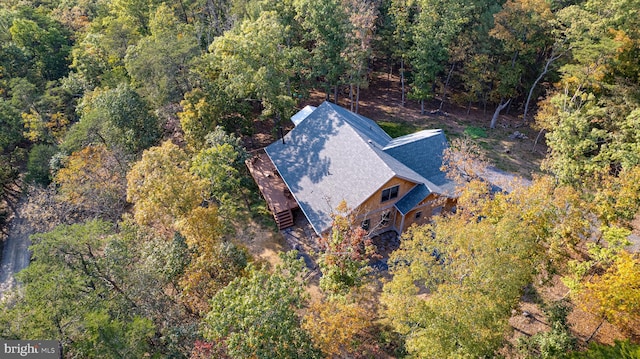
[403,140]
[348,115]
[370,143]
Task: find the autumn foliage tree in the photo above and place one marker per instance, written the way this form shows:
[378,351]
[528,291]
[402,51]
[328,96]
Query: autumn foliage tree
[455,281]
[347,251]
[345,326]
[94,181]
[214,261]
[162,187]
[615,294]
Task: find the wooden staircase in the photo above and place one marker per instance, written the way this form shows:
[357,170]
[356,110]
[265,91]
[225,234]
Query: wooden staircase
[284,219]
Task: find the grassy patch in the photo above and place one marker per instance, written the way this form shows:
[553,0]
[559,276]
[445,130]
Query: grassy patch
[486,145]
[475,132]
[397,129]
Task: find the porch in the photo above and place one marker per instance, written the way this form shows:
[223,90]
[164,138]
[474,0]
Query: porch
[273,189]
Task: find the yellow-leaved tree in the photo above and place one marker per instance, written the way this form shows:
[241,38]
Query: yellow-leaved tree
[93,180]
[615,295]
[162,188]
[345,326]
[456,281]
[168,196]
[214,263]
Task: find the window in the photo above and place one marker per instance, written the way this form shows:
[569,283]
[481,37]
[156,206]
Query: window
[365,224]
[384,220]
[390,193]
[418,214]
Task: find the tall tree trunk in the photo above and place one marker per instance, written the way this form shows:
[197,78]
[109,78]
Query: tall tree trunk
[335,94]
[537,139]
[422,107]
[351,95]
[485,97]
[553,57]
[402,80]
[446,84]
[594,332]
[357,97]
[500,107]
[184,12]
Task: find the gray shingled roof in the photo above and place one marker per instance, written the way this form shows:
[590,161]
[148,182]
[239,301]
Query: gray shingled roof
[326,159]
[333,154]
[367,129]
[422,152]
[412,198]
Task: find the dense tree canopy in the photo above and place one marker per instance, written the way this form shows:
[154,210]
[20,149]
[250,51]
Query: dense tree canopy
[255,316]
[127,121]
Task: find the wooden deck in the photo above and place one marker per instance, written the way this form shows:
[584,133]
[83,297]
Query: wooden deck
[273,189]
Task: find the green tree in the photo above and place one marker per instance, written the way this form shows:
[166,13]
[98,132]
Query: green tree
[9,176]
[362,20]
[621,349]
[327,25]
[135,13]
[204,108]
[222,165]
[11,124]
[107,337]
[64,265]
[254,61]
[102,293]
[437,24]
[98,56]
[456,281]
[38,170]
[524,29]
[402,13]
[44,41]
[116,118]
[552,343]
[255,316]
[591,118]
[159,63]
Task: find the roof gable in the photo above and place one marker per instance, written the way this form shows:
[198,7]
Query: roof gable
[412,198]
[422,152]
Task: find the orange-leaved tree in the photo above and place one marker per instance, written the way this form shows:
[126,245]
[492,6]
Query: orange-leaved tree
[347,250]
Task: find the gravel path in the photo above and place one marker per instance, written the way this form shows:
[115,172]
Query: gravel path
[15,255]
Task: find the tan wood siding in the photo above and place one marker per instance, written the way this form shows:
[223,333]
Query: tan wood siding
[373,207]
[373,204]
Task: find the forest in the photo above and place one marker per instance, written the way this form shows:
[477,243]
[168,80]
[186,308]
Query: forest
[124,130]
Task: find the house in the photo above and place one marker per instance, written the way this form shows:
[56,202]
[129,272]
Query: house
[333,155]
